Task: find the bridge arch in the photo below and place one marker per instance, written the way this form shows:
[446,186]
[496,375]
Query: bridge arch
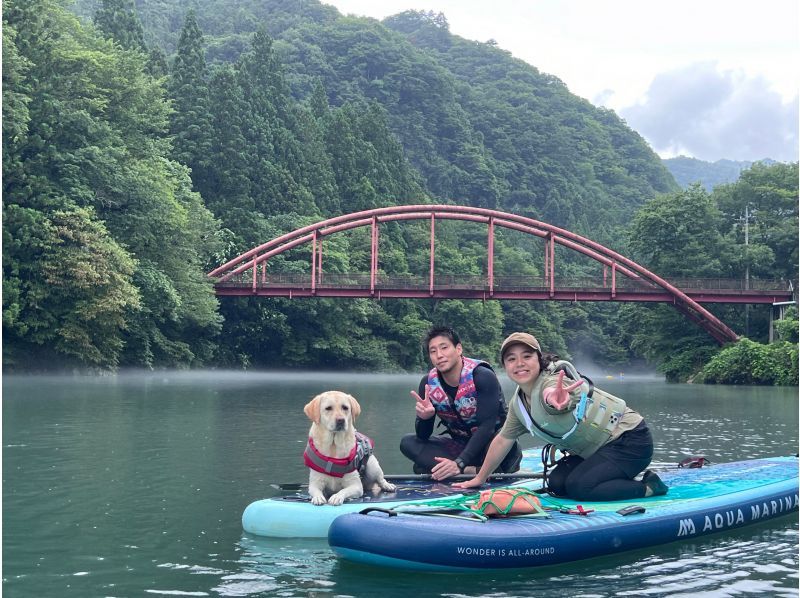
[553,235]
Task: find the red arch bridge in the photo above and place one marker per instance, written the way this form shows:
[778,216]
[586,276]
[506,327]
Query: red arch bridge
[622,279]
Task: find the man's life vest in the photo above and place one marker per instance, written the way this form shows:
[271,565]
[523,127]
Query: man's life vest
[581,429]
[460,414]
[356,460]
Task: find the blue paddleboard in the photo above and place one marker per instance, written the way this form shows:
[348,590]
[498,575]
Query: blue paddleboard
[700,501]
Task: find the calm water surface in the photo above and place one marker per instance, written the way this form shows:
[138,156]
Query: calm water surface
[134,485]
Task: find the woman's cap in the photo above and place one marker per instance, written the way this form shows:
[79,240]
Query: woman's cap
[522,338]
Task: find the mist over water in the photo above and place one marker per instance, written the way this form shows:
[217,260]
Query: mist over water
[135,484]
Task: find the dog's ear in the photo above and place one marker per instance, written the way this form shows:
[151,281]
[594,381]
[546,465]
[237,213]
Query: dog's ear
[355,407]
[312,409]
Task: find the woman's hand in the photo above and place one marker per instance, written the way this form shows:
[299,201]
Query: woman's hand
[424,407]
[558,396]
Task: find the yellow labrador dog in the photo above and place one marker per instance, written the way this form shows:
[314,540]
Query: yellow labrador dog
[338,456]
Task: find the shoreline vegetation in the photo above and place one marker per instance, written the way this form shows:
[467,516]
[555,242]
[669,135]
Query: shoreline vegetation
[145,145]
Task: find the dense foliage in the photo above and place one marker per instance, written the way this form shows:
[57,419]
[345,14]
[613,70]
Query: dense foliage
[696,233]
[147,144]
[747,362]
[89,198]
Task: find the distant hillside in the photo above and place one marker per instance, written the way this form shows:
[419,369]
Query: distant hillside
[481,127]
[709,174]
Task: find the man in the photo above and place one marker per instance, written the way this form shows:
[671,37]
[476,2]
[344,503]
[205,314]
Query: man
[466,396]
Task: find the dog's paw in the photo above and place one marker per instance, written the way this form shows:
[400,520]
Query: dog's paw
[387,486]
[336,500]
[318,500]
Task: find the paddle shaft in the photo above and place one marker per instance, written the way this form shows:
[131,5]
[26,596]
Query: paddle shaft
[464,477]
[427,477]
[456,478]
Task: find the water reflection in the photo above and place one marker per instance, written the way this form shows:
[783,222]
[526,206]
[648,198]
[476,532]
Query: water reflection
[719,566]
[289,565]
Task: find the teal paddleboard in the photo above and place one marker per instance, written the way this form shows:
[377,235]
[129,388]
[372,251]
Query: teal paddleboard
[291,514]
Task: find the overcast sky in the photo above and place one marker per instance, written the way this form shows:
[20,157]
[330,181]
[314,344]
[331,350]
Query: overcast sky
[709,79]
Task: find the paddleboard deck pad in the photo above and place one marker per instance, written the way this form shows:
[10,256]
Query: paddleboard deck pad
[700,501]
[293,516]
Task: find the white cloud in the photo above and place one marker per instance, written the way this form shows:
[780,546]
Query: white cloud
[708,113]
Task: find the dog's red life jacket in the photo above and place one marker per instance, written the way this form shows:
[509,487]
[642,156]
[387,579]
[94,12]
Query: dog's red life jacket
[356,460]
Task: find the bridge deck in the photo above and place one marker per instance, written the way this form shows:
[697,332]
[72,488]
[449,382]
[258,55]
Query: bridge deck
[504,287]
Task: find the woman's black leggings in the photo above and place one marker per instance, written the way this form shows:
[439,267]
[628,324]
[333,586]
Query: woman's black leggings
[608,473]
[424,452]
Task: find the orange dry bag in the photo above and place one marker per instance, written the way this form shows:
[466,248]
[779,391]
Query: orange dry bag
[505,502]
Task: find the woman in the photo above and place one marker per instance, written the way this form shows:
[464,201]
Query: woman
[608,443]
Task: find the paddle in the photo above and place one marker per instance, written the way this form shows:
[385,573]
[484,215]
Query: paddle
[465,476]
[427,477]
[689,462]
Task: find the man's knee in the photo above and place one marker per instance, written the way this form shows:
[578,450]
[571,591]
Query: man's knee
[409,446]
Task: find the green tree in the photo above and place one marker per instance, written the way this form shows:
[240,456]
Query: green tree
[157,63]
[67,283]
[787,328]
[679,235]
[117,19]
[769,197]
[276,157]
[228,185]
[480,325]
[318,102]
[188,87]
[178,323]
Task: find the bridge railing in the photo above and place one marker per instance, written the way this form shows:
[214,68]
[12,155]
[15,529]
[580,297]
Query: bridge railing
[731,284]
[506,283]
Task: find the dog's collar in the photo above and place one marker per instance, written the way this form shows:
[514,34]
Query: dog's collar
[336,466]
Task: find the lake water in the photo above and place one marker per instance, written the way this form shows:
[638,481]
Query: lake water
[134,485]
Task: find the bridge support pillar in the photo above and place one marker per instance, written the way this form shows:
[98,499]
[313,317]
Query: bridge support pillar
[433,253]
[490,256]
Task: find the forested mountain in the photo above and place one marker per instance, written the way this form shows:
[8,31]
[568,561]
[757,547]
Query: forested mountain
[688,171]
[481,127]
[146,144]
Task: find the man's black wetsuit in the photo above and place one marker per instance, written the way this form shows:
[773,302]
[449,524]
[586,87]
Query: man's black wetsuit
[422,447]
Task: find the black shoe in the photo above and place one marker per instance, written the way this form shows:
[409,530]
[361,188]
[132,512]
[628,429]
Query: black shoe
[421,470]
[654,483]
